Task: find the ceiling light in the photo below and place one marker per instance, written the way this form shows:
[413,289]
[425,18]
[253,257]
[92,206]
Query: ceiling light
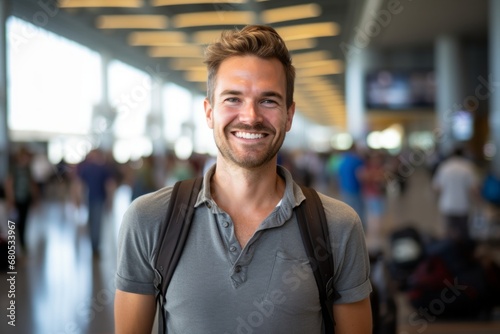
[157,38]
[131,22]
[310,56]
[311,30]
[206,36]
[196,76]
[318,71]
[282,14]
[176,51]
[301,44]
[216,3]
[321,63]
[213,18]
[179,64]
[308,82]
[325,93]
[100,3]
[316,84]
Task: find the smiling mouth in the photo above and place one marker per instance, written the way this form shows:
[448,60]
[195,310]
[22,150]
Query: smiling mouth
[249,135]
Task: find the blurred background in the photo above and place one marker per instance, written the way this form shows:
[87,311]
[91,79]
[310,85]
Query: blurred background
[398,114]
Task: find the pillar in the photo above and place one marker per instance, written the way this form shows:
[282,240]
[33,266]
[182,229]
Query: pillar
[449,89]
[355,106]
[494,66]
[104,134]
[156,130]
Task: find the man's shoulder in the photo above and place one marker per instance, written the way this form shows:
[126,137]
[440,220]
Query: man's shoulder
[338,213]
[150,206]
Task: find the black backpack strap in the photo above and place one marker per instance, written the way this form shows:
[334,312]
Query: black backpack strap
[314,231]
[172,237]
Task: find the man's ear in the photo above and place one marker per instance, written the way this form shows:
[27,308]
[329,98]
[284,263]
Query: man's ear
[289,116]
[208,113]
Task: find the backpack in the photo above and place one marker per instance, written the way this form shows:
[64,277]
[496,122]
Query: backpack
[490,189]
[175,228]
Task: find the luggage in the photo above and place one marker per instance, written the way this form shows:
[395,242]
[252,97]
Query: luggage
[407,251]
[450,283]
[383,297]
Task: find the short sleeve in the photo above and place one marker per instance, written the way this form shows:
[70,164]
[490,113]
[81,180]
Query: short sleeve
[351,260]
[137,240]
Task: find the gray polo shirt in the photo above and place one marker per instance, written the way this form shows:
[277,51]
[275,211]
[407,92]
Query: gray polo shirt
[266,287]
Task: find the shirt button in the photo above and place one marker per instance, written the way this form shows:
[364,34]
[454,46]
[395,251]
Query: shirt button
[209,205]
[232,249]
[237,269]
[225,224]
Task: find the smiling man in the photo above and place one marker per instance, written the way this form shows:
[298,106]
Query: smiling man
[243,268]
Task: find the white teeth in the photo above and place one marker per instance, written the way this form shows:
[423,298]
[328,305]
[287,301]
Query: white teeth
[247,135]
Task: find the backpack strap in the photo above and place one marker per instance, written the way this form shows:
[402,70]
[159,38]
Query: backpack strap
[314,232]
[172,237]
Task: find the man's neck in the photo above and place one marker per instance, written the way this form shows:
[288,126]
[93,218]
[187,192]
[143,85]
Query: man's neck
[253,188]
[248,196]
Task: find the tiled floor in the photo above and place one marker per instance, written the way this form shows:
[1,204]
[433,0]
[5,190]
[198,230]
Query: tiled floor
[62,289]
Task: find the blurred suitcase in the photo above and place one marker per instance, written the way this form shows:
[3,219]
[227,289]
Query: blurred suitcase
[407,251]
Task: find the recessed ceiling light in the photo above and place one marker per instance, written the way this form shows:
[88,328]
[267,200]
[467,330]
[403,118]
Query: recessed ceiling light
[310,30]
[100,3]
[131,22]
[157,38]
[176,51]
[213,18]
[290,13]
[216,3]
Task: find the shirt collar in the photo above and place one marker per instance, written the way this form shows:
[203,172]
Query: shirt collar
[292,196]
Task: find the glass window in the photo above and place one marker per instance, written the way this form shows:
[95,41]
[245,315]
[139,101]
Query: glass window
[203,135]
[177,110]
[130,96]
[54,83]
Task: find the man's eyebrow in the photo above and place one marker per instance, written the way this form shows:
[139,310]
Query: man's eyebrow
[263,94]
[272,94]
[230,92]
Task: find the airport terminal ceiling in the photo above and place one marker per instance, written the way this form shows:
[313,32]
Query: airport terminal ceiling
[166,37]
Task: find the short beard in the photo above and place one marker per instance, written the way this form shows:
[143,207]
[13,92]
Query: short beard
[249,161]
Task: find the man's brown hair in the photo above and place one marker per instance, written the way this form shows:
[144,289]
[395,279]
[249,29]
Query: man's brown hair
[257,40]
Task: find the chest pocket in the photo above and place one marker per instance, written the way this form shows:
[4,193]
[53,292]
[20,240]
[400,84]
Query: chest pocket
[292,286]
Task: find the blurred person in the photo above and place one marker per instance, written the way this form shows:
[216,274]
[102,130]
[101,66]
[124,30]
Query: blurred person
[456,183]
[372,179]
[21,192]
[490,189]
[97,178]
[42,171]
[348,180]
[144,178]
[244,215]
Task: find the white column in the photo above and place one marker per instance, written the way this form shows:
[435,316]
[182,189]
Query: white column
[156,129]
[105,137]
[355,106]
[449,89]
[494,66]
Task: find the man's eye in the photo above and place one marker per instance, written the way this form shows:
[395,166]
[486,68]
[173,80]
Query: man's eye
[232,99]
[269,102]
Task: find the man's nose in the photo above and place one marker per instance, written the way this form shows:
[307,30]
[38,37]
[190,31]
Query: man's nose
[250,113]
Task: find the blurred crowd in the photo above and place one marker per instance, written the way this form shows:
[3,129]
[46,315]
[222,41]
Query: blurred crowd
[468,200]
[359,176]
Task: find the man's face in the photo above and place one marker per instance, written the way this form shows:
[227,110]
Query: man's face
[249,115]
